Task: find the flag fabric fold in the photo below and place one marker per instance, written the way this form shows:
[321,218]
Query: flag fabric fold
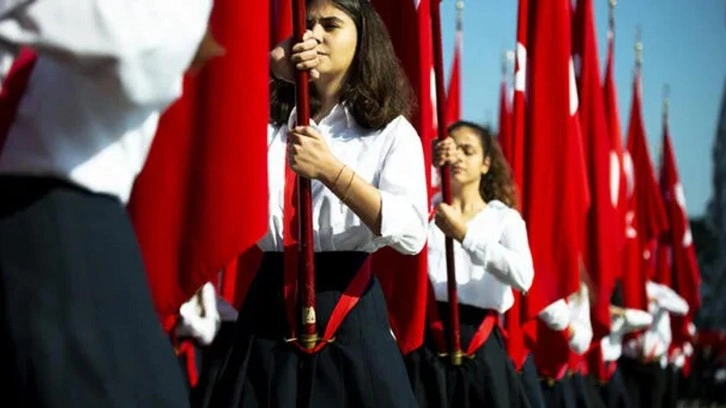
[201,200]
[600,251]
[404,279]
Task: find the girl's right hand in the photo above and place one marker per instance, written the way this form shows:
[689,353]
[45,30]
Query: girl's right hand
[286,57]
[444,152]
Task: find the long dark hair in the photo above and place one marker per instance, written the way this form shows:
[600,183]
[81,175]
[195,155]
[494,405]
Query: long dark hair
[497,183]
[376,91]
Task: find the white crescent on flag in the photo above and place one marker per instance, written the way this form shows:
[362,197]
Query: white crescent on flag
[680,195]
[614,178]
[629,173]
[520,77]
[574,100]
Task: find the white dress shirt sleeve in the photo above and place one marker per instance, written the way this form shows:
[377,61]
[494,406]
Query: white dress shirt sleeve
[556,316]
[634,319]
[199,317]
[508,259]
[579,304]
[666,298]
[402,184]
[137,49]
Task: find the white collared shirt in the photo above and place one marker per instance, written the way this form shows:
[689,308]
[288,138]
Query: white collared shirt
[493,258]
[105,70]
[654,343]
[390,159]
[579,304]
[632,320]
[573,312]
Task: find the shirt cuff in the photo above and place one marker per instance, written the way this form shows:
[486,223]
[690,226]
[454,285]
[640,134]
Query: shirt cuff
[469,243]
[401,227]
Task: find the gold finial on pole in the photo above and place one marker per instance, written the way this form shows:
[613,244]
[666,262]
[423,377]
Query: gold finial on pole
[459,10]
[666,102]
[638,46]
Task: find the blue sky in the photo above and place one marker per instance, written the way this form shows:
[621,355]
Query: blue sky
[684,46]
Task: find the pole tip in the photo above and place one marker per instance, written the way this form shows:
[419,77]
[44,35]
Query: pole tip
[638,45]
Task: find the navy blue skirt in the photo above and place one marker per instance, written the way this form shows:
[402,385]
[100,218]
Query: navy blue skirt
[530,383]
[614,393]
[486,380]
[363,367]
[77,324]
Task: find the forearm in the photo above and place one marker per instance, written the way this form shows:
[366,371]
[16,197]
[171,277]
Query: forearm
[359,195]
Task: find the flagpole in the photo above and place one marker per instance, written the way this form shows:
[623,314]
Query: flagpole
[306,284]
[454,327]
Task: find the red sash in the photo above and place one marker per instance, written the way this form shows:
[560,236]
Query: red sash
[350,296]
[13,88]
[436,326]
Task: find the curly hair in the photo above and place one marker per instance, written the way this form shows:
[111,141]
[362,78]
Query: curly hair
[376,91]
[497,183]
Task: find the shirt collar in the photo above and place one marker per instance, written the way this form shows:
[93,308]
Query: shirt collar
[340,112]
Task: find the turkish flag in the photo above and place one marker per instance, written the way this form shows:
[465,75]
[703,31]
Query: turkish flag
[453,96]
[514,147]
[280,21]
[555,195]
[646,219]
[201,200]
[684,276]
[621,186]
[404,279]
[600,250]
[505,122]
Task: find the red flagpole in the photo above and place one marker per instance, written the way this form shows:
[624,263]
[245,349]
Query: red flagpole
[454,329]
[306,283]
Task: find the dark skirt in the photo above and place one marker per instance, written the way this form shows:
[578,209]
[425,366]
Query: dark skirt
[487,380]
[671,394]
[614,393]
[78,326]
[530,383]
[559,394]
[645,382]
[586,393]
[361,368]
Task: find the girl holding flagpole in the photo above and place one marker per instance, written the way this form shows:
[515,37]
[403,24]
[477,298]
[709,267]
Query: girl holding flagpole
[492,258]
[368,191]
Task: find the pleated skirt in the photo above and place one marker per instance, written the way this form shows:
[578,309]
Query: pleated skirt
[486,380]
[77,324]
[363,367]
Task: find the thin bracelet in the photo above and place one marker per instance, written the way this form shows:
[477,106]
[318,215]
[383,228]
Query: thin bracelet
[345,195]
[335,183]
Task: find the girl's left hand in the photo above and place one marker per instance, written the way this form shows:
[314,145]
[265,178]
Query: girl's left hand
[450,221]
[309,155]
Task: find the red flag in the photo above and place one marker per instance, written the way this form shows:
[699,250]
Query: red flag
[201,200]
[280,21]
[505,121]
[516,159]
[620,185]
[600,251]
[404,279]
[647,217]
[686,276]
[453,96]
[556,196]
[516,348]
